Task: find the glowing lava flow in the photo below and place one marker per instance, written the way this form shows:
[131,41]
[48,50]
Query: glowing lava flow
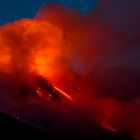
[43,87]
[108,127]
[65,94]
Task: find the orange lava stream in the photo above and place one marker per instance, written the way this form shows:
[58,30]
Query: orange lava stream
[65,94]
[107,126]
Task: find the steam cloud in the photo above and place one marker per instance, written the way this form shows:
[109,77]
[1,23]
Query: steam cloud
[94,57]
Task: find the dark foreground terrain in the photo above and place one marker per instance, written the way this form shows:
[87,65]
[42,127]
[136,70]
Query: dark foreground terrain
[11,128]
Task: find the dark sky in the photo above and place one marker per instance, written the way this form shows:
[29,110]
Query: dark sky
[11,10]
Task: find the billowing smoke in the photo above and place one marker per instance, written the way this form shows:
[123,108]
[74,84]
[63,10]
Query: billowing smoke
[94,58]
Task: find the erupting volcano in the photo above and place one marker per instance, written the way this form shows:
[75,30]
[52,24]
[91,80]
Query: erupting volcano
[68,73]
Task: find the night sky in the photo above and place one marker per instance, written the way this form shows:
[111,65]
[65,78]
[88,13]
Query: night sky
[16,9]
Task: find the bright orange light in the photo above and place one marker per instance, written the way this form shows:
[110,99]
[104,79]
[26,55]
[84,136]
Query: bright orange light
[65,94]
[31,46]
